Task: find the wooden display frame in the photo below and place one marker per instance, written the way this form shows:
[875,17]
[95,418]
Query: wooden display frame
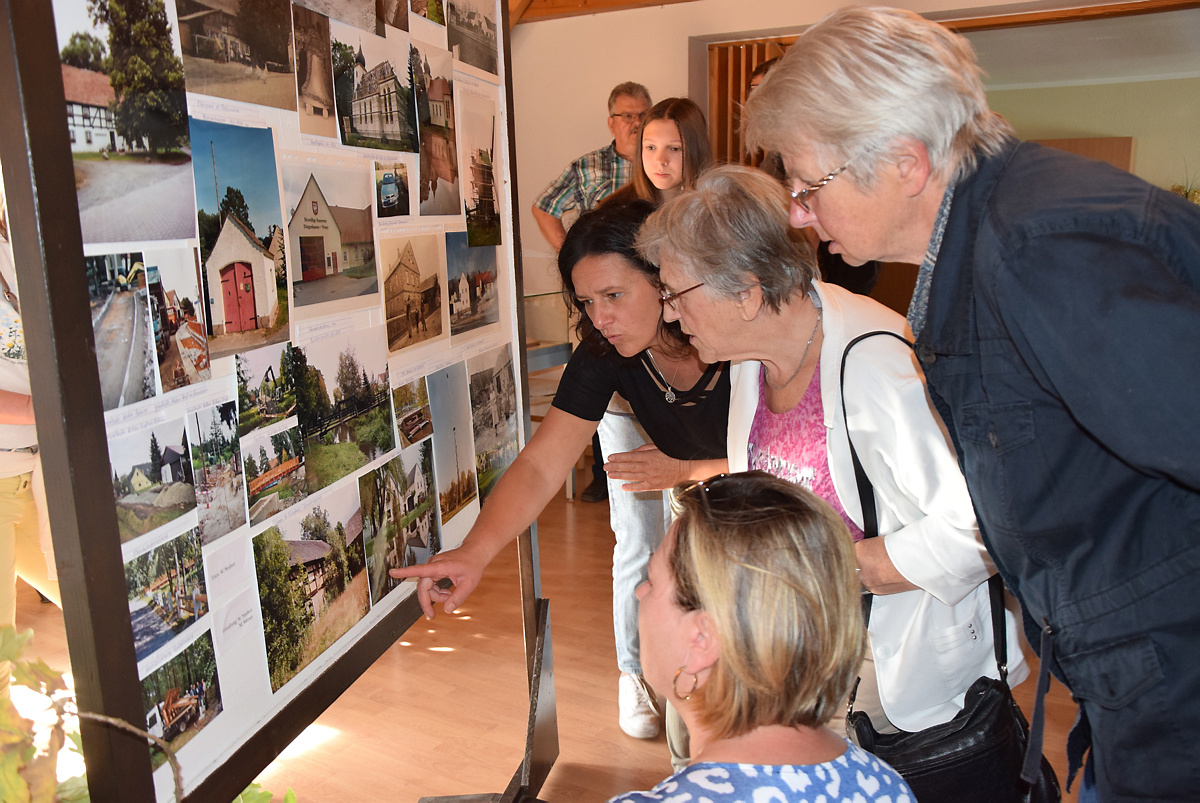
[48,250]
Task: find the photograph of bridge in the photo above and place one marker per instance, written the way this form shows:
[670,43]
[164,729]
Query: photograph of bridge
[343,404]
[273,463]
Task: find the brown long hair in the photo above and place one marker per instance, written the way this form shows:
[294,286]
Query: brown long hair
[693,131]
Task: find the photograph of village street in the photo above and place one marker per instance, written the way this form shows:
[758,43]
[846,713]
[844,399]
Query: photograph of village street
[330,236]
[314,73]
[167,593]
[373,90]
[125,348]
[152,478]
[413,268]
[413,420]
[399,512]
[273,461]
[343,403]
[239,50]
[433,89]
[470,284]
[471,33]
[266,386]
[217,467]
[493,415]
[311,583]
[182,696]
[453,442]
[172,282]
[127,118]
[241,237]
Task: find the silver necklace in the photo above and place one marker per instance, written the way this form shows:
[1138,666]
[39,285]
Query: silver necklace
[670,394]
[803,357]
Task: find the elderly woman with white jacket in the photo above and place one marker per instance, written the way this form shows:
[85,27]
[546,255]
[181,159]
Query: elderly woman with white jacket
[744,291]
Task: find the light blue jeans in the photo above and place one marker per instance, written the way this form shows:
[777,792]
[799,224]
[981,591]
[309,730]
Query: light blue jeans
[638,521]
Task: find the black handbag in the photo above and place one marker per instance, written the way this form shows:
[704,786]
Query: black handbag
[978,755]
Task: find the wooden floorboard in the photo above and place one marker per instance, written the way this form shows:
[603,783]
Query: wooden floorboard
[443,711]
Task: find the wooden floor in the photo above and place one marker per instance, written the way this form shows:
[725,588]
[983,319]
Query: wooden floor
[443,711]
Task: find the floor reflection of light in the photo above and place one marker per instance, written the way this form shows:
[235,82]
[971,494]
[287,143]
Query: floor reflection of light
[464,618]
[312,737]
[406,644]
[441,649]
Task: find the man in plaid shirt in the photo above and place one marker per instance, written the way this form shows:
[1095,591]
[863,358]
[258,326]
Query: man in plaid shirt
[594,176]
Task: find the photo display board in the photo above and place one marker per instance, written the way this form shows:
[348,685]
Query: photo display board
[298,248]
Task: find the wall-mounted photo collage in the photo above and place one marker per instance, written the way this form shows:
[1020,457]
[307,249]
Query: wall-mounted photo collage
[304,309]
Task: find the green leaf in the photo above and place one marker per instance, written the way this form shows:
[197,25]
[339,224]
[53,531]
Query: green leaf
[290,797]
[37,674]
[12,643]
[253,794]
[12,786]
[74,790]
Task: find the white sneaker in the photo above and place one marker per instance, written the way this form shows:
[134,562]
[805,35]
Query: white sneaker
[640,716]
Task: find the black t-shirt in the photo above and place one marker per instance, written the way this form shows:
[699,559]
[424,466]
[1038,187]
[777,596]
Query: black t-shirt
[692,428]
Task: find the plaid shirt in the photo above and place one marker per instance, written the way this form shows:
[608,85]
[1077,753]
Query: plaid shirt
[586,182]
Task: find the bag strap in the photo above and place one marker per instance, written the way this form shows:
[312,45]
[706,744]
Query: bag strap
[866,496]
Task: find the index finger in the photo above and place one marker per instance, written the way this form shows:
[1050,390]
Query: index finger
[433,571]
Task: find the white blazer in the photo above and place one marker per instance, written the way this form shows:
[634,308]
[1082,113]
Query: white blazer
[929,646]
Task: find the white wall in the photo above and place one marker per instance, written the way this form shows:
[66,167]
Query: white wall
[563,70]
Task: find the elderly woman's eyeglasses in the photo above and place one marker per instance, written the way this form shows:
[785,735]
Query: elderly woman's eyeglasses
[801,196]
[672,299]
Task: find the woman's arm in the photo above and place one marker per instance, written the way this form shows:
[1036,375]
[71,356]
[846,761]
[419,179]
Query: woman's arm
[526,487]
[15,408]
[648,469]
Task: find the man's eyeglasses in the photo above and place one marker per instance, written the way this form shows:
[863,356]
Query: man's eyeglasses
[672,299]
[629,117]
[801,196]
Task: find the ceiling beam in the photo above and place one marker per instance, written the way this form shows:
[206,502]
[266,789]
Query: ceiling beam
[538,10]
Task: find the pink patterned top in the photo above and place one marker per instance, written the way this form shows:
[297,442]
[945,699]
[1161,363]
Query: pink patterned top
[792,445]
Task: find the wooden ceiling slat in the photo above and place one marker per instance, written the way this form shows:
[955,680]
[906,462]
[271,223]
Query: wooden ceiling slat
[538,10]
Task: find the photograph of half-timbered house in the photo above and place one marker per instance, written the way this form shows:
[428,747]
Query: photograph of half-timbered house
[413,274]
[311,583]
[399,512]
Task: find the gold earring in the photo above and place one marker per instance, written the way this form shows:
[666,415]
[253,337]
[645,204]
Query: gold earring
[675,680]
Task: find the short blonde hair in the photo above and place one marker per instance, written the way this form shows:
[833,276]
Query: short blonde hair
[861,78]
[731,232]
[773,566]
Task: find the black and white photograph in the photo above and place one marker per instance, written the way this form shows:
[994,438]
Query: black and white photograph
[343,404]
[399,512]
[180,342]
[470,284]
[167,592]
[239,50]
[153,481]
[471,33]
[121,324]
[453,441]
[127,120]
[493,415]
[359,13]
[433,87]
[241,237]
[266,387]
[477,135]
[182,696]
[273,466]
[311,583]
[413,419]
[373,89]
[330,236]
[391,190]
[413,274]
[217,467]
[314,73]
